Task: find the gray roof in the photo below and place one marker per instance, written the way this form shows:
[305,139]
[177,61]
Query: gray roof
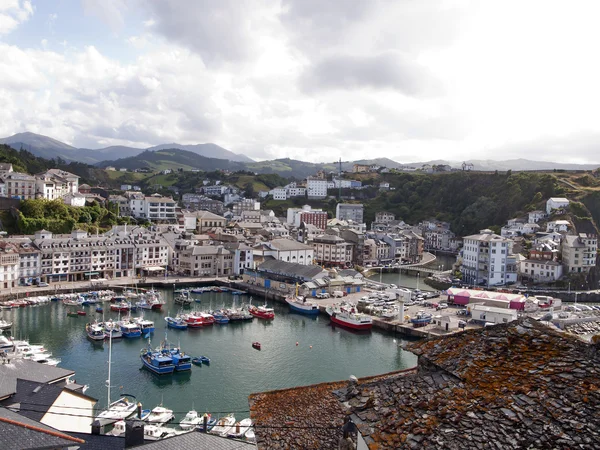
[18,432]
[31,403]
[28,370]
[196,441]
[288,244]
[99,441]
[306,272]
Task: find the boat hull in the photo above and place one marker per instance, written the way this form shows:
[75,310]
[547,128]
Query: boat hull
[308,310]
[164,370]
[353,325]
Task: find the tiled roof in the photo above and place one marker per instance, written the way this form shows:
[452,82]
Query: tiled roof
[197,441]
[511,386]
[288,244]
[28,370]
[18,433]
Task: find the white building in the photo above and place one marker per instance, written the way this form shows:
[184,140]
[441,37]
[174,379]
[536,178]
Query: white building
[491,314]
[536,216]
[286,250]
[349,211]
[488,259]
[556,203]
[558,226]
[540,271]
[9,265]
[279,193]
[316,188]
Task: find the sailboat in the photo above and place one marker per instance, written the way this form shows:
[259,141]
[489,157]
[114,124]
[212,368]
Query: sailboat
[122,408]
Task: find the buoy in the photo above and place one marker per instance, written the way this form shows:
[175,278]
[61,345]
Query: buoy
[296,344]
[311,346]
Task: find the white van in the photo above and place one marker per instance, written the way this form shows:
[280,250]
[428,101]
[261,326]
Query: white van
[338,294]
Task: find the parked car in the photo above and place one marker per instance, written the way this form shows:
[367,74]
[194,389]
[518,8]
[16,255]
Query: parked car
[442,306]
[43,284]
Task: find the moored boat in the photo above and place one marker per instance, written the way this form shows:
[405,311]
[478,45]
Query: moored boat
[198,319]
[176,322]
[256,345]
[300,305]
[4,325]
[223,425]
[160,415]
[130,329]
[210,422]
[157,362]
[190,421]
[262,312]
[347,316]
[239,429]
[122,306]
[94,332]
[119,410]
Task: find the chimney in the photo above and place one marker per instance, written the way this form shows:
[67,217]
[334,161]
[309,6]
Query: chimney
[134,433]
[96,427]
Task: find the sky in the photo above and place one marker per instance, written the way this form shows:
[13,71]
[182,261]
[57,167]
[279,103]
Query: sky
[410,80]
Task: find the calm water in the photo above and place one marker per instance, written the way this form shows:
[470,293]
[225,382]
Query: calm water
[236,369]
[412,281]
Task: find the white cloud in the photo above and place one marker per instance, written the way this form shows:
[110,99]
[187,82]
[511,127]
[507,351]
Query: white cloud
[13,13]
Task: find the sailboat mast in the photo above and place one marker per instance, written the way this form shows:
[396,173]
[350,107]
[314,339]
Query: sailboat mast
[109,363]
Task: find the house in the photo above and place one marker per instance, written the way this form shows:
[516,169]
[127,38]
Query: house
[536,216]
[384,217]
[558,226]
[490,314]
[579,252]
[349,211]
[540,271]
[361,168]
[556,203]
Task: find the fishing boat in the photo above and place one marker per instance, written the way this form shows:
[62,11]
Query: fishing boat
[262,312]
[81,313]
[238,292]
[157,362]
[220,317]
[147,326]
[122,306]
[160,415]
[176,322]
[112,330]
[198,319]
[223,425]
[184,300]
[72,314]
[182,361]
[99,309]
[196,360]
[210,422]
[190,421]
[94,332]
[256,345]
[239,429]
[130,329]
[421,319]
[347,316]
[300,305]
[4,325]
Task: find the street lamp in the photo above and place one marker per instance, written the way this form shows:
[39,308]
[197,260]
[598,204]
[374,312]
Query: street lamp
[418,274]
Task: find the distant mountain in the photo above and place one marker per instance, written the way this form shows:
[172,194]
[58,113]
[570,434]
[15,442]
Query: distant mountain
[50,148]
[207,150]
[39,145]
[512,164]
[173,159]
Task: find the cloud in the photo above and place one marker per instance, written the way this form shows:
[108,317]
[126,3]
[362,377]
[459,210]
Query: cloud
[219,31]
[13,13]
[110,12]
[383,71]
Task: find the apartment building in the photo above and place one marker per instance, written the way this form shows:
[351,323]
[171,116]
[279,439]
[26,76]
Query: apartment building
[9,265]
[349,211]
[579,252]
[332,251]
[316,188]
[316,217]
[488,259]
[204,260]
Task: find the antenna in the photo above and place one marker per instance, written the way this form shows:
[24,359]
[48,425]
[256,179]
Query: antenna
[340,180]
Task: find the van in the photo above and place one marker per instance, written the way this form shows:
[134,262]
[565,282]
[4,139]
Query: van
[338,294]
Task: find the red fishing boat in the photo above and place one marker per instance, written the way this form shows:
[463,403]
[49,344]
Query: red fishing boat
[262,312]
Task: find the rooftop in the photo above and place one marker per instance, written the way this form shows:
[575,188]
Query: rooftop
[510,386]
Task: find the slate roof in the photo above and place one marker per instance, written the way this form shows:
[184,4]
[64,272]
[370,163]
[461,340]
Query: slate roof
[196,441]
[31,403]
[20,433]
[288,244]
[99,441]
[511,386]
[307,272]
[28,370]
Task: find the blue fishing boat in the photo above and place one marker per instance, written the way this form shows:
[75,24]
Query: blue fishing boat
[197,361]
[220,317]
[99,309]
[130,329]
[421,319]
[300,305]
[204,360]
[182,361]
[176,322]
[157,362]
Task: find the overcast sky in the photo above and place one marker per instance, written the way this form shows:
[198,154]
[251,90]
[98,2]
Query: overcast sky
[411,80]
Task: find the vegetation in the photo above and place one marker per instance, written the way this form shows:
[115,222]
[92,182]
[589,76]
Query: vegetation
[55,216]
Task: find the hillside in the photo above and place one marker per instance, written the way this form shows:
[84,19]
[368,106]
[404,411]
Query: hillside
[514,165]
[206,150]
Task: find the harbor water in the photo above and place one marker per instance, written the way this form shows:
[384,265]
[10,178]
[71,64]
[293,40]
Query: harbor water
[296,350]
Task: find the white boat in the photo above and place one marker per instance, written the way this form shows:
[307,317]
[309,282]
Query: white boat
[190,421]
[239,429]
[4,325]
[122,408]
[250,437]
[160,415]
[119,410]
[223,425]
[118,429]
[156,432]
